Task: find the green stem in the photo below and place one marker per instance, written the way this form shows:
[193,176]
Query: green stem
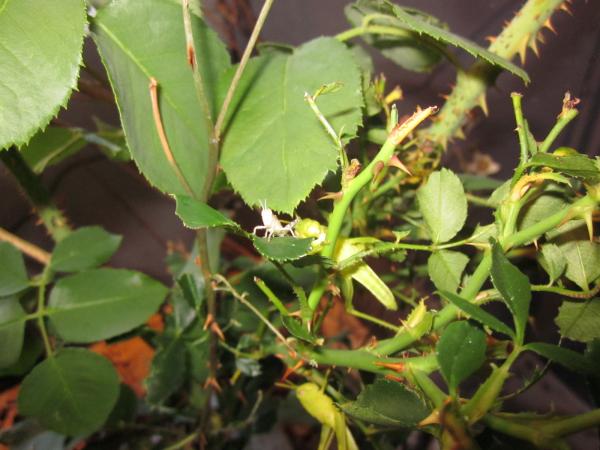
[567,292]
[574,424]
[521,128]
[561,123]
[336,218]
[488,392]
[260,21]
[446,315]
[480,201]
[371,29]
[41,310]
[525,432]
[370,318]
[533,232]
[271,296]
[52,218]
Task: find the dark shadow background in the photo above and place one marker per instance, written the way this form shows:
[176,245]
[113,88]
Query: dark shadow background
[92,190]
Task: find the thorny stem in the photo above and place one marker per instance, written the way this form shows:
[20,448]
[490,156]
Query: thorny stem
[471,84]
[521,128]
[31,250]
[336,218]
[260,21]
[52,218]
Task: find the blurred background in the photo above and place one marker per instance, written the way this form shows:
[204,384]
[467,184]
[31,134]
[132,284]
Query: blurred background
[93,190]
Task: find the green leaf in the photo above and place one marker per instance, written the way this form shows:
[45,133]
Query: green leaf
[51,146]
[460,352]
[296,329]
[143,40]
[553,260]
[286,248]
[272,130]
[12,330]
[583,262]
[579,166]
[514,287]
[445,269]
[477,313]
[32,349]
[388,404]
[13,276]
[553,198]
[196,214]
[167,372]
[565,357]
[443,203]
[430,29]
[579,321]
[72,392]
[40,54]
[83,249]
[479,182]
[102,303]
[405,47]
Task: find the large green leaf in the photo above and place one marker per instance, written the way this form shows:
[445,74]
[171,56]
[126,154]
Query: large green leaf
[583,262]
[84,248]
[40,54]
[13,276]
[102,303]
[579,320]
[72,392]
[460,352]
[405,47]
[417,24]
[275,149]
[196,214]
[12,330]
[443,203]
[140,40]
[389,404]
[514,287]
[445,269]
[478,314]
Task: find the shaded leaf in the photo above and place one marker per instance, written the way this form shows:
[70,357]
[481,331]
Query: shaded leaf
[51,146]
[443,203]
[102,303]
[72,392]
[579,320]
[12,330]
[84,248]
[13,276]
[196,214]
[445,268]
[514,287]
[565,357]
[460,352]
[167,372]
[140,40]
[296,329]
[478,313]
[417,24]
[479,182]
[274,148]
[388,403]
[583,262]
[41,55]
[286,248]
[405,47]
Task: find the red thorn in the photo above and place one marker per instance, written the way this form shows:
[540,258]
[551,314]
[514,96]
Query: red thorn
[191,56]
